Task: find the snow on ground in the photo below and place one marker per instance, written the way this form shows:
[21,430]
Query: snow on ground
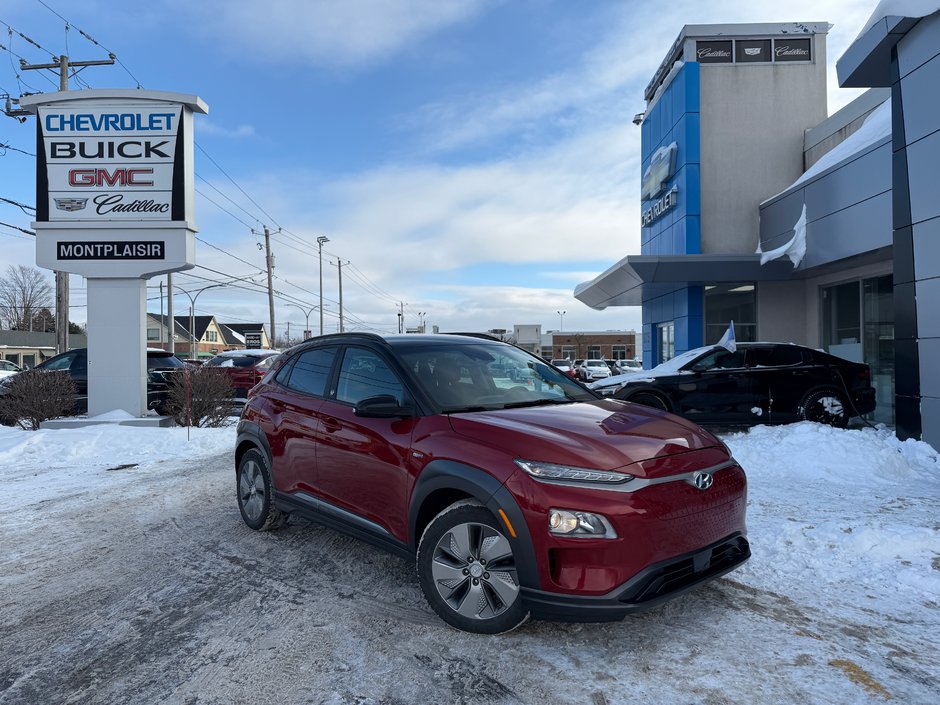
[840,602]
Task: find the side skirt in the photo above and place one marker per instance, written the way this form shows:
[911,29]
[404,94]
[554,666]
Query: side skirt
[315,509]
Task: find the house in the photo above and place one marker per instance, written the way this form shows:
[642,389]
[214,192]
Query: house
[28,349]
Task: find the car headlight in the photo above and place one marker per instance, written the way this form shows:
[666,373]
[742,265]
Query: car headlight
[551,472]
[566,522]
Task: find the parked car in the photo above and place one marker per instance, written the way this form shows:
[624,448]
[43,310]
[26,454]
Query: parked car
[8,368]
[624,366]
[759,383]
[562,365]
[592,370]
[244,367]
[513,500]
[160,364]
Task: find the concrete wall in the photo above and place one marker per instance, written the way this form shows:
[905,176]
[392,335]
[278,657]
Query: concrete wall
[740,106]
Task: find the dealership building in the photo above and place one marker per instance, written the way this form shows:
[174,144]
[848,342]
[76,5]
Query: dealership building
[759,208]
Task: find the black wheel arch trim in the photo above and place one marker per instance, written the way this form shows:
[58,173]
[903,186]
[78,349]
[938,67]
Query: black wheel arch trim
[250,433]
[491,493]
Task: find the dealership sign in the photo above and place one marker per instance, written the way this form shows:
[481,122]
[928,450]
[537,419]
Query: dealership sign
[661,169]
[114,181]
[110,163]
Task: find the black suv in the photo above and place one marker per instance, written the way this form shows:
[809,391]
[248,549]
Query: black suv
[160,364]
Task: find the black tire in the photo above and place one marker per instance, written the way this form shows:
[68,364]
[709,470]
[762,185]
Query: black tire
[478,592]
[649,399]
[826,407]
[255,490]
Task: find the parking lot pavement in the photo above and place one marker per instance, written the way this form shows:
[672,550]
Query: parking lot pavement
[145,587]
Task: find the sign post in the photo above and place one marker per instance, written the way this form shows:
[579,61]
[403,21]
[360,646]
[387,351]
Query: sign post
[114,203]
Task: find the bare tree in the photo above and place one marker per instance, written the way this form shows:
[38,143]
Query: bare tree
[24,292]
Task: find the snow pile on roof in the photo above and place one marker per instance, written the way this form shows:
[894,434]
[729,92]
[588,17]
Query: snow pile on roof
[900,8]
[795,249]
[876,127]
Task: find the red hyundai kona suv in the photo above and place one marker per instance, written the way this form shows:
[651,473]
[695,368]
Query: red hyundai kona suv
[515,497]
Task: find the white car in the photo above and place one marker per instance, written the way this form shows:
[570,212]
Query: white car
[8,369]
[594,369]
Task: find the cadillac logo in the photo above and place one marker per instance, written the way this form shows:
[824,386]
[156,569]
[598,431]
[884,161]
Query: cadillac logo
[703,480]
[70,204]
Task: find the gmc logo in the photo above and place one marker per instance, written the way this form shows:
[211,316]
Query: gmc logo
[105,177]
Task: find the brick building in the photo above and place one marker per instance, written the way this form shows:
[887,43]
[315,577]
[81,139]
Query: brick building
[610,345]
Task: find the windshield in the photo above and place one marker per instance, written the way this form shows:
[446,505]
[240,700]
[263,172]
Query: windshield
[483,376]
[679,361]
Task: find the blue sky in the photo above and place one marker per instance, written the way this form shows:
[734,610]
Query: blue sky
[473,159]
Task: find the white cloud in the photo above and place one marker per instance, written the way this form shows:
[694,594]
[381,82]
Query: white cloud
[207,127]
[345,33]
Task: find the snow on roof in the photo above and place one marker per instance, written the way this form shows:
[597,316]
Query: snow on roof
[900,8]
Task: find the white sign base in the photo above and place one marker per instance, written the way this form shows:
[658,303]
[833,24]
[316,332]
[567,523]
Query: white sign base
[117,361]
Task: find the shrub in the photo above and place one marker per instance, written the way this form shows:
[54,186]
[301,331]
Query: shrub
[34,396]
[200,396]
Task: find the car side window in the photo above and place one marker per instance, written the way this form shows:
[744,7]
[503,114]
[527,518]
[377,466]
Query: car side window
[721,360]
[63,363]
[310,371]
[364,374]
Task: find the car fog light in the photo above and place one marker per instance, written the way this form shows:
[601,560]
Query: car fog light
[565,522]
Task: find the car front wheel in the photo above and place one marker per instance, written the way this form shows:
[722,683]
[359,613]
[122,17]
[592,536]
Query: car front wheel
[256,493]
[825,407]
[467,571]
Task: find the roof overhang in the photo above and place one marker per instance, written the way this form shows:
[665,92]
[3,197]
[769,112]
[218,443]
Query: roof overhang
[867,62]
[639,277]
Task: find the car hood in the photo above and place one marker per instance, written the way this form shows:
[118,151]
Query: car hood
[603,434]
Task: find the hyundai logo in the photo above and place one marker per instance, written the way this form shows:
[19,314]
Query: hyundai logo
[703,480]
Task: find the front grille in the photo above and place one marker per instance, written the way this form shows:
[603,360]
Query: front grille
[676,574]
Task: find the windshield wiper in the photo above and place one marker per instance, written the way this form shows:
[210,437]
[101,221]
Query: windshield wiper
[536,402]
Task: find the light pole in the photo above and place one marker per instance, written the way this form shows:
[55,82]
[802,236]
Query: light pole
[307,312]
[561,315]
[320,241]
[421,316]
[192,317]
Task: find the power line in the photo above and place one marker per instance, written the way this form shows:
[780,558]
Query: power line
[90,39]
[16,149]
[270,217]
[17,227]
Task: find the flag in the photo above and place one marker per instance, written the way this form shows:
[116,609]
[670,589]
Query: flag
[727,340]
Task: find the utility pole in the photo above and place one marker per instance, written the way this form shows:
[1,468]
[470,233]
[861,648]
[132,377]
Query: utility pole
[401,316]
[320,241]
[339,269]
[269,259]
[170,320]
[62,278]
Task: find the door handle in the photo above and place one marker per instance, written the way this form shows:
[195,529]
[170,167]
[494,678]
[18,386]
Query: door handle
[331,425]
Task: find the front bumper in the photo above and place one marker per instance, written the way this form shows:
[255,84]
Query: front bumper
[650,587]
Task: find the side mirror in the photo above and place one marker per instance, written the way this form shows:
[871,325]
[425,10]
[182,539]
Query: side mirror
[699,368]
[383,406]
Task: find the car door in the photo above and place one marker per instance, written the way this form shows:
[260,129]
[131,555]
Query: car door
[715,388]
[780,377]
[293,406]
[75,362]
[362,462]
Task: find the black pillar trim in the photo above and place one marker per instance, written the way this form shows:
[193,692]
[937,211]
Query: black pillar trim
[906,349]
[42,175]
[178,209]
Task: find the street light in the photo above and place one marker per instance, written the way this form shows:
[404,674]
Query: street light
[307,312]
[192,318]
[421,316]
[561,314]
[320,241]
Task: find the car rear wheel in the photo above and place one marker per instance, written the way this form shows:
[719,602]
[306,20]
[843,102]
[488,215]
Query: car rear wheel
[650,399]
[256,493]
[467,571]
[827,407]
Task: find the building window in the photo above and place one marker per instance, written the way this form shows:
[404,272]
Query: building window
[153,334]
[666,341]
[725,303]
[13,357]
[619,352]
[568,352]
[858,325]
[212,336]
[29,360]
[594,352]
